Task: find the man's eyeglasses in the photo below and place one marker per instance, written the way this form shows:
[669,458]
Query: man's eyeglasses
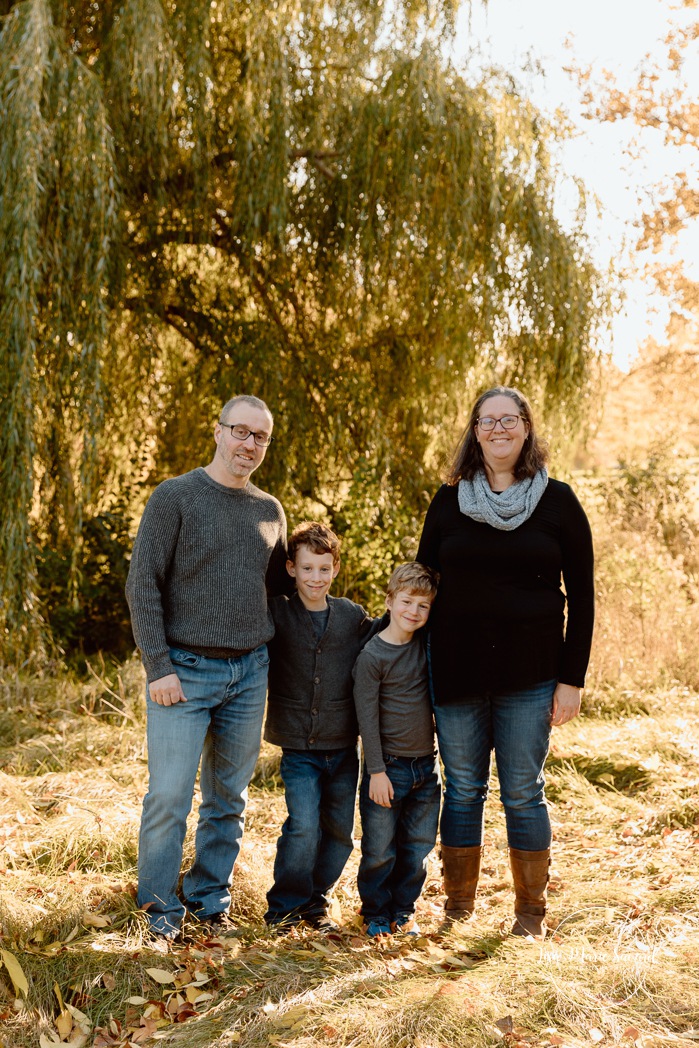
[263,440]
[488,423]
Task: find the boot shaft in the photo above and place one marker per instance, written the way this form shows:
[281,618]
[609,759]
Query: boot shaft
[530,873]
[460,869]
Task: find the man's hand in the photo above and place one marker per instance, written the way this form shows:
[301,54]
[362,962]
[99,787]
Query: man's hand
[166,691]
[566,704]
[380,789]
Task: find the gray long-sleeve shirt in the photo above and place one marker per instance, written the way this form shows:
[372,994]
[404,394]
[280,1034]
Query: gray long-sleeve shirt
[392,699]
[204,558]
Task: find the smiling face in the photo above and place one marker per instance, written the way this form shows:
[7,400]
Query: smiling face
[409,610]
[501,447]
[235,459]
[314,573]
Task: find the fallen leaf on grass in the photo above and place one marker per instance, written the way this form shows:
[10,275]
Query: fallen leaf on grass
[292,1016]
[631,1033]
[595,1035]
[505,1025]
[161,976]
[95,920]
[14,970]
[64,1024]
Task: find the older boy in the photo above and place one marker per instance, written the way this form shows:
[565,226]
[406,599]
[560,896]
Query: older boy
[400,791]
[311,715]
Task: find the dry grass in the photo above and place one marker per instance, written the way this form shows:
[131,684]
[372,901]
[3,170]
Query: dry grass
[621,967]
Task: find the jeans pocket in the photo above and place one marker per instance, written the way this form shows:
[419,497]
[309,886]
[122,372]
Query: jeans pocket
[261,655]
[180,657]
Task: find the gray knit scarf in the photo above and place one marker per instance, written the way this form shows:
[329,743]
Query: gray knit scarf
[506,510]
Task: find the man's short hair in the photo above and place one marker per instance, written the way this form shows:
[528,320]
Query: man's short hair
[415,578]
[317,537]
[243,398]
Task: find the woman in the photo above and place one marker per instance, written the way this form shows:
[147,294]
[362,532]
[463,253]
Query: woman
[504,670]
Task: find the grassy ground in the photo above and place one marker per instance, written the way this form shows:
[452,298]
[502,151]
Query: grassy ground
[620,968]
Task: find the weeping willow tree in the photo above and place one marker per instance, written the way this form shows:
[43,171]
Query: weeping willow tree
[299,200]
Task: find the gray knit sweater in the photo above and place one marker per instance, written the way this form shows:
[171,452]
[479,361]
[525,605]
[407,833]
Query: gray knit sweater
[204,559]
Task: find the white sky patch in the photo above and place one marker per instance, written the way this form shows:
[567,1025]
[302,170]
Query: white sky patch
[535,41]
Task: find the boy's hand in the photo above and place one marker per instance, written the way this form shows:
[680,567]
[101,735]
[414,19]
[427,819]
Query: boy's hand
[380,789]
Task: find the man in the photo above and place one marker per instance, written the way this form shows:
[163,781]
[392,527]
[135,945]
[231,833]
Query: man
[210,547]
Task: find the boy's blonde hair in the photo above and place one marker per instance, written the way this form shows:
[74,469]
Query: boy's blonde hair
[415,578]
[318,537]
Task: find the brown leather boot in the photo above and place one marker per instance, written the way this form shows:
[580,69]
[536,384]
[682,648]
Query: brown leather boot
[530,873]
[460,869]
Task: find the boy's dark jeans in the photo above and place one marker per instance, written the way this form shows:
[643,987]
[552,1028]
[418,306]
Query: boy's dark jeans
[317,836]
[397,840]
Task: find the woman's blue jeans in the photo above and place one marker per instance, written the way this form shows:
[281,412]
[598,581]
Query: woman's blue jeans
[517,726]
[397,840]
[317,836]
[219,724]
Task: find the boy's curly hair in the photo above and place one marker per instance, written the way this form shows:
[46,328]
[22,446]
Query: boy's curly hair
[317,537]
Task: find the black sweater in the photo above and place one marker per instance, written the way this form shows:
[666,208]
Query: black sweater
[497,623]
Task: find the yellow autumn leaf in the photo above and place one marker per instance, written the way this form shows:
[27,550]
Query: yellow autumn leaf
[95,920]
[79,1016]
[59,996]
[78,1041]
[292,1017]
[137,1000]
[159,975]
[14,969]
[64,1024]
[194,994]
[336,911]
[47,1041]
[202,998]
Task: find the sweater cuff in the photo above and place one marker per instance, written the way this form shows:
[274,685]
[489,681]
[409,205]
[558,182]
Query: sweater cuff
[157,668]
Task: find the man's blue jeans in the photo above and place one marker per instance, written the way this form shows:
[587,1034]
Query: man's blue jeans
[220,723]
[317,836]
[517,726]
[397,840]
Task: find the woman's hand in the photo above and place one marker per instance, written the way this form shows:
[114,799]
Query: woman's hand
[566,704]
[381,789]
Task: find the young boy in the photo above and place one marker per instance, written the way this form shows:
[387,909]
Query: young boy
[400,791]
[311,715]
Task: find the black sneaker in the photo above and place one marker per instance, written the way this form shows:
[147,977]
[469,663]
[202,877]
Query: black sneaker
[323,924]
[219,923]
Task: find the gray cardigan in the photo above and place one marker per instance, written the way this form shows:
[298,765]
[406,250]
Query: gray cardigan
[309,703]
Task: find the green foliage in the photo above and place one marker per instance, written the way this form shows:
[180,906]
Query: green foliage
[301,201]
[88,614]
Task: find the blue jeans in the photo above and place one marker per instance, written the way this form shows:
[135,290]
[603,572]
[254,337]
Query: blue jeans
[397,840]
[220,723]
[317,836]
[518,727]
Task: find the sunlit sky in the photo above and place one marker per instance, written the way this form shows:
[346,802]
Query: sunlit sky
[535,40]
